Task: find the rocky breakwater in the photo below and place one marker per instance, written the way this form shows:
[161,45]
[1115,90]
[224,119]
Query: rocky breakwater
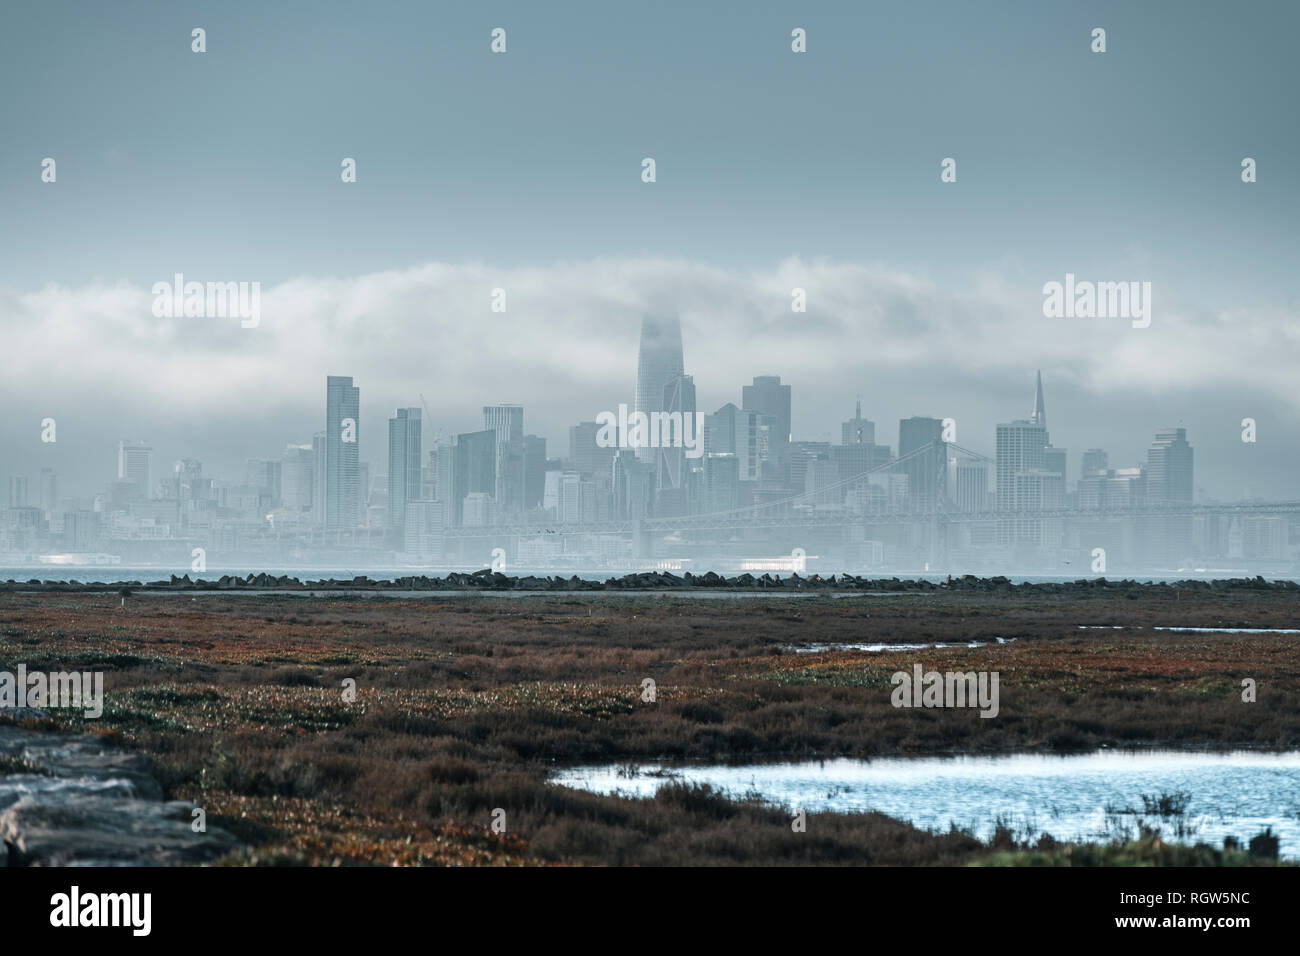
[74,801]
[489,580]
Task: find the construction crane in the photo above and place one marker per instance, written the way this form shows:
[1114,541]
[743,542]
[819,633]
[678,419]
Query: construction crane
[437,438]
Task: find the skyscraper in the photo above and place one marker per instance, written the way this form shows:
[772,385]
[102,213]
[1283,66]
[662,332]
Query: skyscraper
[319,451]
[534,471]
[587,457]
[404,439]
[1169,482]
[1020,448]
[266,474]
[1039,414]
[508,423]
[1023,481]
[1095,461]
[296,469]
[927,468]
[659,361]
[473,471]
[134,464]
[768,396]
[858,430]
[49,490]
[17,491]
[1169,468]
[342,454]
[679,398]
[733,431]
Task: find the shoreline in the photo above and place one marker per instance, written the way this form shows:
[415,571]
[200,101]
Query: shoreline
[645,582]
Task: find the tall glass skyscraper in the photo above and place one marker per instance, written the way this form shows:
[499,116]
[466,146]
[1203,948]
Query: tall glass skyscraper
[508,423]
[927,468]
[135,463]
[679,397]
[404,439]
[342,454]
[659,361]
[768,396]
[1169,467]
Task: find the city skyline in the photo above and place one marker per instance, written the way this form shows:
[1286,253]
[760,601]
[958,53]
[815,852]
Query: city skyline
[343,401]
[499,485]
[376,458]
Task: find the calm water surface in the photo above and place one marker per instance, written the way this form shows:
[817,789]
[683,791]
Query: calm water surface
[1083,797]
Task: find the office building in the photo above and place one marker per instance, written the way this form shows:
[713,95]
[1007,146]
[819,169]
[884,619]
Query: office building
[344,494]
[659,361]
[405,437]
[767,396]
[135,464]
[858,430]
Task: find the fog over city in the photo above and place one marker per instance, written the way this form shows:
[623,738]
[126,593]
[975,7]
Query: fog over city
[566,349]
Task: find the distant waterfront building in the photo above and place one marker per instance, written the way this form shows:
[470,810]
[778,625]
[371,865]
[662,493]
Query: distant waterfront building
[135,464]
[923,457]
[585,455]
[422,532]
[343,491]
[49,491]
[851,461]
[821,484]
[968,483]
[801,452]
[721,482]
[476,510]
[1113,489]
[734,431]
[1054,460]
[1020,462]
[405,435]
[767,396]
[1095,461]
[17,497]
[507,421]
[266,473]
[188,483]
[633,487]
[319,452]
[367,496]
[534,471]
[858,430]
[1169,467]
[297,466]
[672,463]
[1169,482]
[473,470]
[1020,448]
[659,361]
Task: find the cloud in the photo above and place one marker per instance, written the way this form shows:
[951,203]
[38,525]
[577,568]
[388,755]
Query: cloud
[431,328]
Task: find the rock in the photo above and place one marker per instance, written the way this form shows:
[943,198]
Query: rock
[78,802]
[78,829]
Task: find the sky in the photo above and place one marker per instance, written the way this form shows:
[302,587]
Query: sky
[522,171]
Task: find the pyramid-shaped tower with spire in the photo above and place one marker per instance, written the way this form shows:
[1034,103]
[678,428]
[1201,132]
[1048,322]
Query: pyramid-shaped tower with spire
[1039,415]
